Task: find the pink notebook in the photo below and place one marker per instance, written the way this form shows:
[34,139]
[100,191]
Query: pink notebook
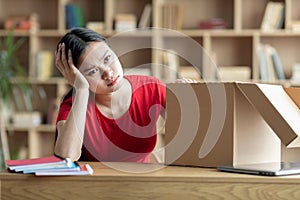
[48,159]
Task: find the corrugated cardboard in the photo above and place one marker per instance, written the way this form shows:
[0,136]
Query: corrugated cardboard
[212,124]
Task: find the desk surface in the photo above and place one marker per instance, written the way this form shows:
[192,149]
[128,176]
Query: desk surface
[171,182]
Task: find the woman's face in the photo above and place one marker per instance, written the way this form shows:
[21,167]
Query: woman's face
[101,67]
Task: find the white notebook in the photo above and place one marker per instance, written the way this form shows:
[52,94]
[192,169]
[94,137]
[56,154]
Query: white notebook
[84,169]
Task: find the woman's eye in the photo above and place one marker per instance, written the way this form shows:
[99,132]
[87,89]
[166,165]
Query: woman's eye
[107,59]
[93,71]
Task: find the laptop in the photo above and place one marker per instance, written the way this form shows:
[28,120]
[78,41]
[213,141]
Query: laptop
[264,169]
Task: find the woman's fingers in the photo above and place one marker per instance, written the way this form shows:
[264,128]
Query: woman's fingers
[63,57]
[63,65]
[70,59]
[58,58]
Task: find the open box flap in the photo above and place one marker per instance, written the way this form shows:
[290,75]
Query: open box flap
[277,108]
[294,94]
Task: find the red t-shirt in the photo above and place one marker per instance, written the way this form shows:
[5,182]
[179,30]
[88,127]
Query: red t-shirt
[131,137]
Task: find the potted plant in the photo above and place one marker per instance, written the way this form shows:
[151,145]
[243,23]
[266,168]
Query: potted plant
[9,67]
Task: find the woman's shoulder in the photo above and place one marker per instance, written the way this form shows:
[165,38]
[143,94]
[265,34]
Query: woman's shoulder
[142,79]
[146,83]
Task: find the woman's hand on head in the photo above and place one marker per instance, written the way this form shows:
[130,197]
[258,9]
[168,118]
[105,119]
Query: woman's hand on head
[66,66]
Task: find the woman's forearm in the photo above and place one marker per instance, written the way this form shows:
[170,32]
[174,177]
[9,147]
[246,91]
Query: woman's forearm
[71,131]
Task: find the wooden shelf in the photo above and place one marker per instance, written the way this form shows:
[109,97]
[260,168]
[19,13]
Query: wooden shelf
[41,128]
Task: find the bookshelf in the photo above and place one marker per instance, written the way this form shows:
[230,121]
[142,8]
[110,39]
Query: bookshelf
[233,46]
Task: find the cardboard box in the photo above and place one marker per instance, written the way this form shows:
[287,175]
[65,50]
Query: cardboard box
[212,124]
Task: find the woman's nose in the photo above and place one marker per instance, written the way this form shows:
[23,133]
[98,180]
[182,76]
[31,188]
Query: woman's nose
[107,74]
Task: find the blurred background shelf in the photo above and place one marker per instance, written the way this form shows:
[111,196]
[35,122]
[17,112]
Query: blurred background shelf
[228,32]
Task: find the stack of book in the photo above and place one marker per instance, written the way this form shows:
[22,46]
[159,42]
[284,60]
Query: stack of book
[27,118]
[234,73]
[269,62]
[48,166]
[125,22]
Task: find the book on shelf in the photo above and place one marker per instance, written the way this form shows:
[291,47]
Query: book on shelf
[296,73]
[172,16]
[74,16]
[277,64]
[213,24]
[21,100]
[295,25]
[43,64]
[48,166]
[190,72]
[125,22]
[170,61]
[262,62]
[18,99]
[98,26]
[234,73]
[146,71]
[269,63]
[145,19]
[26,118]
[273,17]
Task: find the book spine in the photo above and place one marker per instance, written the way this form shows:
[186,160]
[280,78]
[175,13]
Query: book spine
[74,16]
[79,16]
[278,65]
[43,64]
[270,66]
[69,18]
[262,63]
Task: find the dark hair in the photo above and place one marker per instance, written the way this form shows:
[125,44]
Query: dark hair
[77,39]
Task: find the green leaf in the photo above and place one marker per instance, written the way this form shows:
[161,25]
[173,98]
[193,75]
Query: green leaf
[9,65]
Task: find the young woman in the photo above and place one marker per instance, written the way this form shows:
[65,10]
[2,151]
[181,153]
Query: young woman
[107,116]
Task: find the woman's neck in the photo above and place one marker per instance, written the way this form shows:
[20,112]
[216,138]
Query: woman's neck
[115,103]
[104,99]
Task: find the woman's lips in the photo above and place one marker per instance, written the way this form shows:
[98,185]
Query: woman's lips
[113,82]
